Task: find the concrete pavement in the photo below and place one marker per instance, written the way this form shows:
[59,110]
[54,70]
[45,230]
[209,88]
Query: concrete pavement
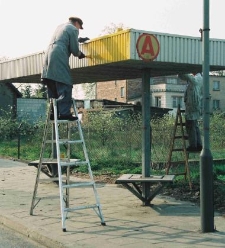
[168,223]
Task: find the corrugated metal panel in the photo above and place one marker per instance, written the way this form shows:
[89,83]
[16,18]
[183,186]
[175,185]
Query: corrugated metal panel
[22,67]
[217,50]
[104,50]
[115,57]
[182,49]
[174,48]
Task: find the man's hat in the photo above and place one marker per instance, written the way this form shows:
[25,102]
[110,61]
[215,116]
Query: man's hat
[76,19]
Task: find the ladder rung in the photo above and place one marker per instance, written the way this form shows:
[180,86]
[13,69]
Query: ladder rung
[80,208]
[50,179]
[177,162]
[63,121]
[47,197]
[64,141]
[180,174]
[76,163]
[180,137]
[181,124]
[78,185]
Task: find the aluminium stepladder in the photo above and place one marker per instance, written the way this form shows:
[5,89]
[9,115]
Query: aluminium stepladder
[64,183]
[178,145]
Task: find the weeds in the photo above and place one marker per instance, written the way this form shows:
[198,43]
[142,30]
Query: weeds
[114,144]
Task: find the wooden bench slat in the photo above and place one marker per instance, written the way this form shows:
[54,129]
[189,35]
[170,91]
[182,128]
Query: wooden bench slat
[51,161]
[138,178]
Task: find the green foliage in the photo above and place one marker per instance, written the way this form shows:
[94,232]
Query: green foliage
[27,91]
[40,91]
[114,142]
[10,127]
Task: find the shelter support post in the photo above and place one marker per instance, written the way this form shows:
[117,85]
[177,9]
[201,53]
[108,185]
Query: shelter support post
[206,160]
[140,184]
[146,144]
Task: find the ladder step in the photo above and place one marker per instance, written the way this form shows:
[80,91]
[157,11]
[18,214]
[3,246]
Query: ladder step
[50,179]
[47,197]
[181,123]
[176,162]
[180,174]
[178,150]
[80,208]
[177,174]
[78,185]
[62,121]
[181,137]
[65,141]
[75,163]
[47,161]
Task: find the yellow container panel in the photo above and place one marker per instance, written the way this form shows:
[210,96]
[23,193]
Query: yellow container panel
[108,49]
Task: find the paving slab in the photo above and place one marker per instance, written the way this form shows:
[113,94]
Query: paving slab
[167,223]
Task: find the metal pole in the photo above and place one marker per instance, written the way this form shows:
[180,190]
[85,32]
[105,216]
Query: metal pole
[206,160]
[146,146]
[18,143]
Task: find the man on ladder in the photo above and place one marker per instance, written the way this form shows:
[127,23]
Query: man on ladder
[56,72]
[57,76]
[192,99]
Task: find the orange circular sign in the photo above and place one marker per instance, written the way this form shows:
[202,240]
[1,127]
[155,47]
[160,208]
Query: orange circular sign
[147,47]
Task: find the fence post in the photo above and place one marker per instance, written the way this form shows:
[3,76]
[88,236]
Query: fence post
[18,143]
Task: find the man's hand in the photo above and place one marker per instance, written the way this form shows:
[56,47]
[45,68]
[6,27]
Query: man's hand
[82,40]
[81,55]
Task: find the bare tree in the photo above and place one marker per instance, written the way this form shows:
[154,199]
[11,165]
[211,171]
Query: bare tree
[113,28]
[3,59]
[88,89]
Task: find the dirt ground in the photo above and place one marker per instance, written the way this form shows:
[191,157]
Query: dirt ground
[181,192]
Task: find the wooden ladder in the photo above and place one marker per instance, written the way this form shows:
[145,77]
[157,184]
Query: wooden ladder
[178,145]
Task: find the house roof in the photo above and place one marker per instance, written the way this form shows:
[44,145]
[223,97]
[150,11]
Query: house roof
[14,90]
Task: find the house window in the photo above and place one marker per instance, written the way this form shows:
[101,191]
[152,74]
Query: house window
[216,85]
[158,101]
[176,101]
[122,92]
[216,104]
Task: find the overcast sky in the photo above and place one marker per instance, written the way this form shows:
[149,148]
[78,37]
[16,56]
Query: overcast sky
[26,26]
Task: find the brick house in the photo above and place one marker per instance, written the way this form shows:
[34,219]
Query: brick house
[166,92]
[8,99]
[217,91]
[119,90]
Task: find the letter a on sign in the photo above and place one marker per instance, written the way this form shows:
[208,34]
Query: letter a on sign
[147,47]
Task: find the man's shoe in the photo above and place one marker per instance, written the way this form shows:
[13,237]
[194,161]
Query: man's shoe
[194,149]
[191,149]
[199,148]
[68,117]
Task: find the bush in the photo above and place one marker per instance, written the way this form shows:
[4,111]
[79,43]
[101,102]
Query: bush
[113,143]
